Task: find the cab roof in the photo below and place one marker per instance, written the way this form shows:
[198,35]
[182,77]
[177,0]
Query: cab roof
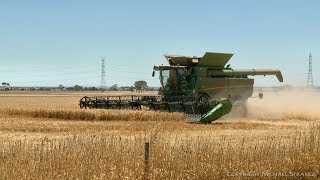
[208,59]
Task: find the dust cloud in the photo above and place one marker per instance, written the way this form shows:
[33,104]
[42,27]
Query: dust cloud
[285,102]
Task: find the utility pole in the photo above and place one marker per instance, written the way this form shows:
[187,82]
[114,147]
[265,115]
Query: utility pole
[310,77]
[103,74]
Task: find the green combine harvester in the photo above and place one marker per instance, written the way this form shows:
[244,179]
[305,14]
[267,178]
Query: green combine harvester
[203,88]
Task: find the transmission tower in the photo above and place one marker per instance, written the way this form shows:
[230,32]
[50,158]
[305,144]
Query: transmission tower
[310,77]
[103,74]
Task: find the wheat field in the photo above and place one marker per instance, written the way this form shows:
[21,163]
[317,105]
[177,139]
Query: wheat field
[44,135]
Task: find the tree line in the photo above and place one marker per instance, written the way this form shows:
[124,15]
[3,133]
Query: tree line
[137,86]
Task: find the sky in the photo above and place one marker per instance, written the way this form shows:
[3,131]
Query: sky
[52,42]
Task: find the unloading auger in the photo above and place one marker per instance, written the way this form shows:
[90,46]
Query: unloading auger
[203,88]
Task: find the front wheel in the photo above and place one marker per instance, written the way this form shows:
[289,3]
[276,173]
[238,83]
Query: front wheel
[203,99]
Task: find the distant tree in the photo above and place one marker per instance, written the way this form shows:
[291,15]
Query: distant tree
[153,88]
[140,85]
[77,88]
[127,88]
[91,89]
[6,85]
[61,87]
[114,87]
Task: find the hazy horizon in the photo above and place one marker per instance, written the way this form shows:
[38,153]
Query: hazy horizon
[47,43]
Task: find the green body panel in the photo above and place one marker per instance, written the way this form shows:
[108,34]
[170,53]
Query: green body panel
[238,88]
[219,86]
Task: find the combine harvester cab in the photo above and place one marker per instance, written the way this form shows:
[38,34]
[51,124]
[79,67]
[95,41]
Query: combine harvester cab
[204,88]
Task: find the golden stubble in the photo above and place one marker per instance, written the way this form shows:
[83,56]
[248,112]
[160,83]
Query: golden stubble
[46,136]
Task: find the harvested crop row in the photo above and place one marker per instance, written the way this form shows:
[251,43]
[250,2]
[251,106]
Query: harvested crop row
[122,157]
[96,115]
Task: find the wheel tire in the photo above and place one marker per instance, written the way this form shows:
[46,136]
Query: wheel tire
[203,98]
[203,104]
[81,104]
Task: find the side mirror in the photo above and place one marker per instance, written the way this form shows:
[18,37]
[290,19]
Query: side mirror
[153,72]
[260,95]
